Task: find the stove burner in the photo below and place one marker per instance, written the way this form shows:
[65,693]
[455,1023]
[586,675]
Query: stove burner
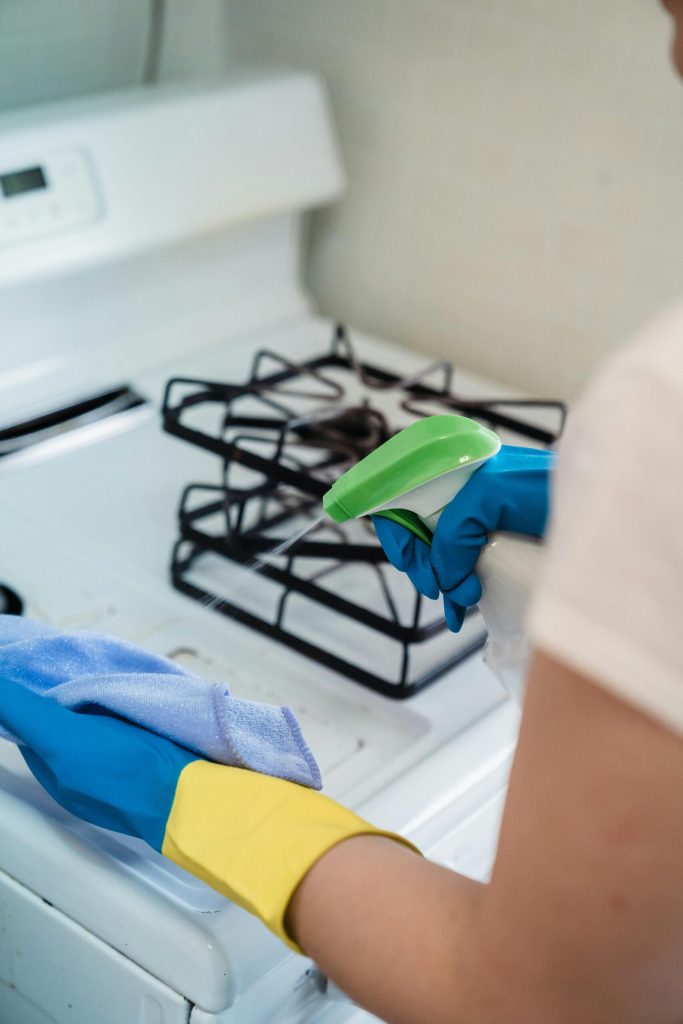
[283,437]
[10,602]
[358,429]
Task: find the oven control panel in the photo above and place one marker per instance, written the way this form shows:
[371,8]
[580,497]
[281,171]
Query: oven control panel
[47,196]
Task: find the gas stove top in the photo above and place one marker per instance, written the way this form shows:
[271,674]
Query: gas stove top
[104,309]
[434,767]
[93,524]
[282,437]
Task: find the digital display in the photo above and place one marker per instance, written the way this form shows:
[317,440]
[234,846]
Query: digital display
[26,180]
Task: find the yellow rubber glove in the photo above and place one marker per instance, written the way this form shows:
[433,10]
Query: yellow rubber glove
[253,837]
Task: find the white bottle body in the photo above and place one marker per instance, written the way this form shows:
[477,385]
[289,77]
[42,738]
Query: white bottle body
[508,569]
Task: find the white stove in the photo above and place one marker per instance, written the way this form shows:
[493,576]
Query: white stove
[173,248]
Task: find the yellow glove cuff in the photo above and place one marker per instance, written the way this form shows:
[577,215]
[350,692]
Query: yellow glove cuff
[253,837]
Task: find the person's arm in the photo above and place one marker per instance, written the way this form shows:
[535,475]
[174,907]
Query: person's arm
[583,918]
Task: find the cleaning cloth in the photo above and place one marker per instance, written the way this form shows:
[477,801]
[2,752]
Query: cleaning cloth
[88,671]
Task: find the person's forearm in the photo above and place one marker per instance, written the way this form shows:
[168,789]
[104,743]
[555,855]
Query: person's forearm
[386,926]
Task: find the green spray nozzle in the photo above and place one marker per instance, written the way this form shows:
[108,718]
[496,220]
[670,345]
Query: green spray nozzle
[413,475]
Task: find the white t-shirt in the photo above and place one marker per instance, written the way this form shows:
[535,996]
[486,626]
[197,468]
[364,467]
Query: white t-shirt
[610,604]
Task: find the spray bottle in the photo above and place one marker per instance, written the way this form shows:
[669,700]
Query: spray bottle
[410,479]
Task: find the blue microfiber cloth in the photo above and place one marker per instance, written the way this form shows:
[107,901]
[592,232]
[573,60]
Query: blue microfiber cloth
[85,670]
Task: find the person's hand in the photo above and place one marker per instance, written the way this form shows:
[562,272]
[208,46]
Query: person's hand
[102,769]
[509,492]
[251,837]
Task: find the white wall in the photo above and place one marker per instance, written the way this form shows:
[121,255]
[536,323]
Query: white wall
[196,40]
[515,166]
[516,172]
[53,49]
[50,49]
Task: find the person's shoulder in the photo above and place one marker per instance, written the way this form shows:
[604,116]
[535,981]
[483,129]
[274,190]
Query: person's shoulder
[649,365]
[656,348]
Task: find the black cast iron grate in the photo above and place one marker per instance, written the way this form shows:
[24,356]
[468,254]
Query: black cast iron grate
[282,438]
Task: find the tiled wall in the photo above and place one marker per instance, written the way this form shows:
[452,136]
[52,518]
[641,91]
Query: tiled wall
[55,48]
[515,172]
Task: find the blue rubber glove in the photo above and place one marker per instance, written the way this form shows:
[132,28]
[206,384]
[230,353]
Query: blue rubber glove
[509,492]
[103,769]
